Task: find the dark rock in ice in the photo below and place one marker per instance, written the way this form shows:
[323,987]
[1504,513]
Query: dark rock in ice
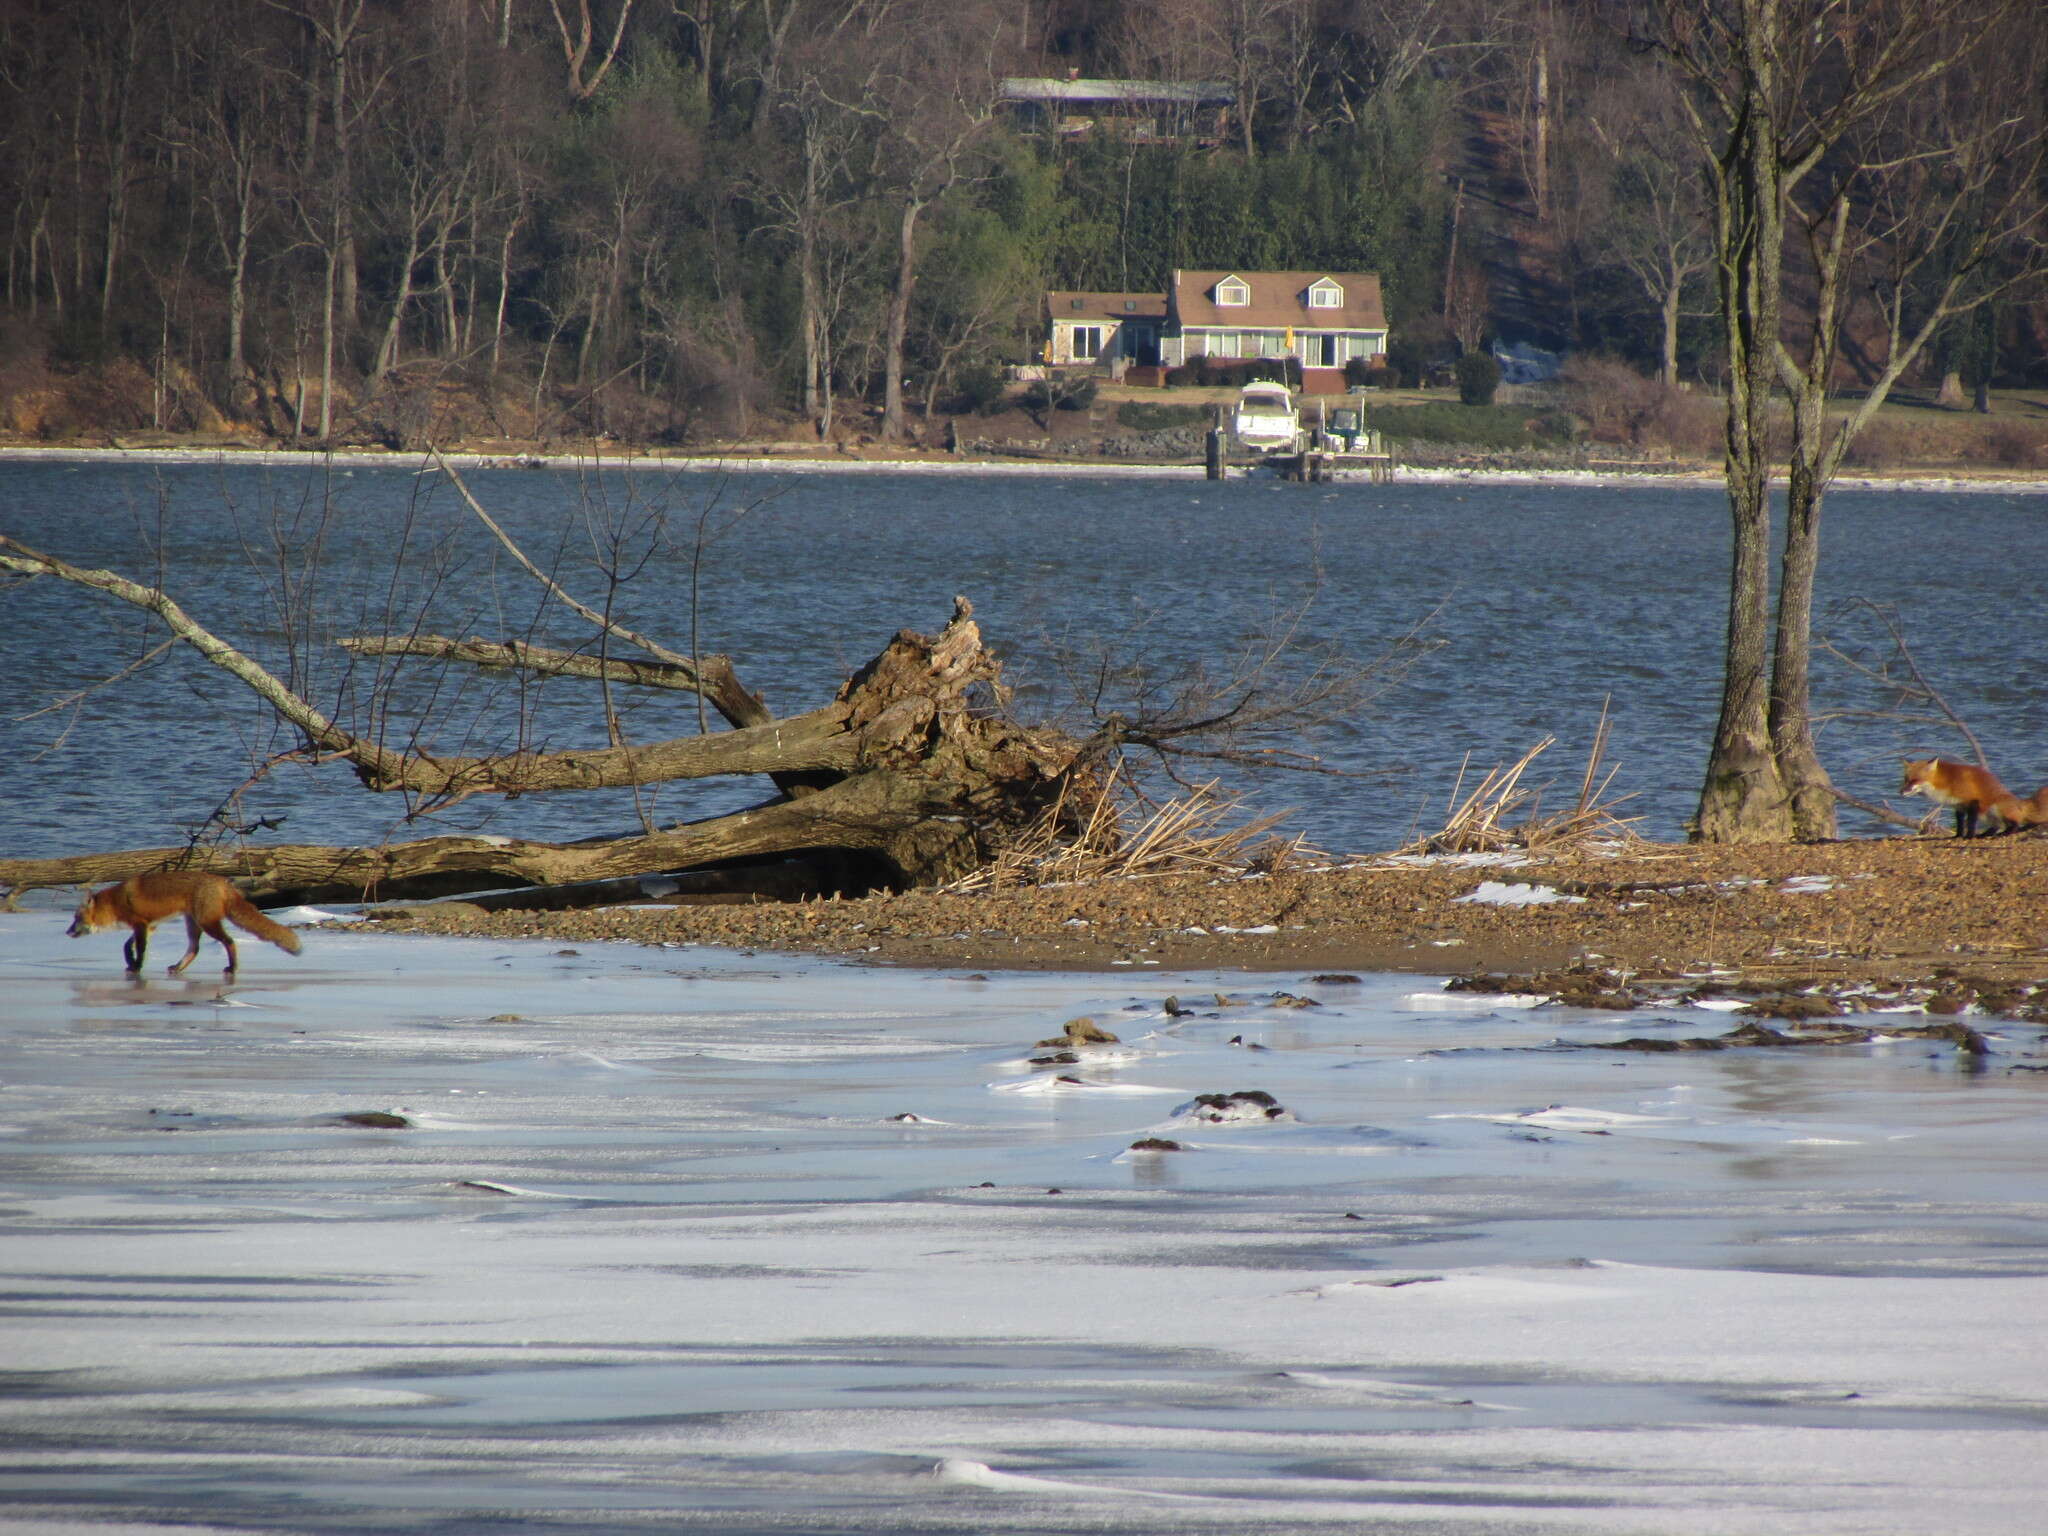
[1220,1108]
[1081,1032]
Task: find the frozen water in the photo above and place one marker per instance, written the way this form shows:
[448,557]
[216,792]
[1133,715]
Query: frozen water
[684,1239]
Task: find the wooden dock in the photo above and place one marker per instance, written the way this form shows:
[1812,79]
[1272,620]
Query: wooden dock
[1311,466]
[1315,466]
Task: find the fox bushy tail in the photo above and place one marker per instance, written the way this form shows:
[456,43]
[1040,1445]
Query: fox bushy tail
[243,914]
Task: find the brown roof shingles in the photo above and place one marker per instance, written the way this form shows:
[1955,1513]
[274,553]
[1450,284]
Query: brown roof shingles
[1089,308]
[1279,299]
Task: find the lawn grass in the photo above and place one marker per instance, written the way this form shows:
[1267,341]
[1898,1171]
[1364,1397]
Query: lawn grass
[1476,426]
[1158,415]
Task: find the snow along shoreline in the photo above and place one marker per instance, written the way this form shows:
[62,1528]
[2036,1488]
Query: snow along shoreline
[808,464]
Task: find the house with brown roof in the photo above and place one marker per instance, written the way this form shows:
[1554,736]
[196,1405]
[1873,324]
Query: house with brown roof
[1111,330]
[1321,319]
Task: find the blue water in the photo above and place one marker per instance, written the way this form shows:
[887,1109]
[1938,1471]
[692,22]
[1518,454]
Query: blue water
[1534,605]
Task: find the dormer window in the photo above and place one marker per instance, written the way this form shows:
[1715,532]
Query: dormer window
[1233,292]
[1130,306]
[1077,305]
[1324,294]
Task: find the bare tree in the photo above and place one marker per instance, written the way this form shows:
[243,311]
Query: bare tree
[1656,225]
[826,114]
[234,126]
[937,101]
[587,54]
[1808,114]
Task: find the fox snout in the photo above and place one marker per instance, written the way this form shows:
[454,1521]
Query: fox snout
[81,924]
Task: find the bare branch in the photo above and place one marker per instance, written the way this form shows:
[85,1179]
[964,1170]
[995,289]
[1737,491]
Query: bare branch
[716,679]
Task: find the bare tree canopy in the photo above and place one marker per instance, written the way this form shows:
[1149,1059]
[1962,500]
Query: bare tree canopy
[1889,154]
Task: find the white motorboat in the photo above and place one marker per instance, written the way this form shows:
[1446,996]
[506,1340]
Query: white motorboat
[1265,420]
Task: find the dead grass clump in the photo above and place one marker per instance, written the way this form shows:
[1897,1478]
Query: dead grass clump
[1947,437]
[1506,815]
[2017,445]
[1624,407]
[1888,442]
[1198,831]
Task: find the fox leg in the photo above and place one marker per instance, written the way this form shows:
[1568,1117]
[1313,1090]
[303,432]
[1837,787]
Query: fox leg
[191,943]
[1966,820]
[134,947]
[219,930]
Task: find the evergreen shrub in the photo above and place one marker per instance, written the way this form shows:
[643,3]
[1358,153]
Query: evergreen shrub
[1478,378]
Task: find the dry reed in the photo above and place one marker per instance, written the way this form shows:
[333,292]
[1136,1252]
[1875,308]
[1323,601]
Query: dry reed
[1484,821]
[1195,832]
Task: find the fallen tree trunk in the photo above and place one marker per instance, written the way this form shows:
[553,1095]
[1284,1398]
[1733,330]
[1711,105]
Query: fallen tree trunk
[907,772]
[909,826]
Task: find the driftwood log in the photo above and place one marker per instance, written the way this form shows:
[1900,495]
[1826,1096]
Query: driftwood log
[909,776]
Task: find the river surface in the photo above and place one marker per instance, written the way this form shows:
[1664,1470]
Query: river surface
[459,1237]
[668,1239]
[1532,606]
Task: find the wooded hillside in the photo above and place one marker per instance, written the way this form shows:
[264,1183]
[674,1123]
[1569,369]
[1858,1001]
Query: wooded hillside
[398,220]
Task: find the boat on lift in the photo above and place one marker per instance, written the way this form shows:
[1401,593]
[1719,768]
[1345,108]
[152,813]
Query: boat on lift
[1265,419]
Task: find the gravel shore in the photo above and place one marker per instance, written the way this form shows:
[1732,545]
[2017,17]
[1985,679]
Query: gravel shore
[1950,917]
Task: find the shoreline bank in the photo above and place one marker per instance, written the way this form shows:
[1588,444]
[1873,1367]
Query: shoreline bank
[803,460]
[1967,919]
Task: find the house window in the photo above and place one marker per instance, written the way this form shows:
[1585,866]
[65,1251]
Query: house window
[1223,344]
[1130,306]
[1272,344]
[1324,351]
[1231,291]
[1325,295]
[1087,342]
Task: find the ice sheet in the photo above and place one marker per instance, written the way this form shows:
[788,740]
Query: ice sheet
[694,1240]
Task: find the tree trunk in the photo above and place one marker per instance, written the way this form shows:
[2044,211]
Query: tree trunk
[1674,293]
[899,319]
[1806,782]
[810,323]
[327,299]
[897,820]
[1816,453]
[1743,799]
[388,348]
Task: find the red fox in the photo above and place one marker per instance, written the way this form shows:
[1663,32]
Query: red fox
[2034,809]
[141,901]
[1972,792]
